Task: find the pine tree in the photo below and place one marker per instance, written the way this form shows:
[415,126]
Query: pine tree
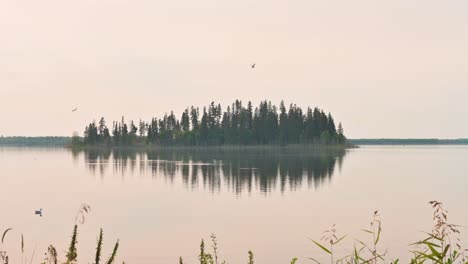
[266,124]
[194,117]
[283,123]
[142,128]
[102,126]
[341,136]
[185,121]
[124,132]
[204,127]
[331,125]
[106,137]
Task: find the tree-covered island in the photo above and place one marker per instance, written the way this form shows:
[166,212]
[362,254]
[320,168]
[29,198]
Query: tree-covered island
[266,124]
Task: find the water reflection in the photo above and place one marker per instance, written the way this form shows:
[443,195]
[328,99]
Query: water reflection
[239,171]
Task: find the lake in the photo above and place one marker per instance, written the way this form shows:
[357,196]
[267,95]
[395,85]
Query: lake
[160,204]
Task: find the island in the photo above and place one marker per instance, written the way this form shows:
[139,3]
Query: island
[238,125]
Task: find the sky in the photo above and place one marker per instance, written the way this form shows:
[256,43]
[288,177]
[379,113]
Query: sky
[383,68]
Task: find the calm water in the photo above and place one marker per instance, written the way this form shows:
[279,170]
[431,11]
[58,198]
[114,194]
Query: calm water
[160,204]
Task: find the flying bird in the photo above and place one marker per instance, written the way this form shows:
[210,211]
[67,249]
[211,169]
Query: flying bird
[74,109]
[38,212]
[252,66]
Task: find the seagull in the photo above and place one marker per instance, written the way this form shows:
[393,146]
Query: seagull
[38,212]
[74,109]
[252,66]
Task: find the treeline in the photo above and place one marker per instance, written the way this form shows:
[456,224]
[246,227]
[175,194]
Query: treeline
[237,125]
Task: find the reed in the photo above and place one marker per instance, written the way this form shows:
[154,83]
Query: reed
[51,256]
[441,245]
[114,253]
[81,214]
[215,248]
[98,248]
[72,252]
[3,254]
[205,258]
[22,248]
[251,257]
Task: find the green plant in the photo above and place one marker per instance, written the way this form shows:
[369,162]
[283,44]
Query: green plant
[204,257]
[3,254]
[72,252]
[442,245]
[215,248]
[251,258]
[81,214]
[22,248]
[98,248]
[329,236]
[51,255]
[114,253]
[375,231]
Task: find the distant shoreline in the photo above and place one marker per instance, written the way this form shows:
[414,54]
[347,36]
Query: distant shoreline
[44,141]
[408,141]
[314,147]
[66,142]
[52,141]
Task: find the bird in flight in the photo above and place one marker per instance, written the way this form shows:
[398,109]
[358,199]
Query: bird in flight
[252,66]
[74,109]
[38,212]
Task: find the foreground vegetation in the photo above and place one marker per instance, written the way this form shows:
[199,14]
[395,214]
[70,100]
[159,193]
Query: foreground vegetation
[439,246]
[238,125]
[51,256]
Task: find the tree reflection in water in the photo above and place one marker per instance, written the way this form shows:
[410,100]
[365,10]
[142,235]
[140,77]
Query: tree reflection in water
[240,170]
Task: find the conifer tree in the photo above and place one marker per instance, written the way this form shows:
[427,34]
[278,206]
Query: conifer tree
[142,127]
[266,124]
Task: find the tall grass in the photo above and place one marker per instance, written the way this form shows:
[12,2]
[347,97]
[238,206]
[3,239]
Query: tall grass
[98,248]
[72,252]
[207,258]
[251,258]
[439,246]
[442,245]
[71,257]
[114,253]
[51,255]
[3,254]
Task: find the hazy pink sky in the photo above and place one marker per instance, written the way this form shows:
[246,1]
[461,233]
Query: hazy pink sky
[383,68]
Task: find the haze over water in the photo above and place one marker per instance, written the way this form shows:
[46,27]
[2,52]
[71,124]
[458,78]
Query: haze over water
[384,69]
[160,204]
